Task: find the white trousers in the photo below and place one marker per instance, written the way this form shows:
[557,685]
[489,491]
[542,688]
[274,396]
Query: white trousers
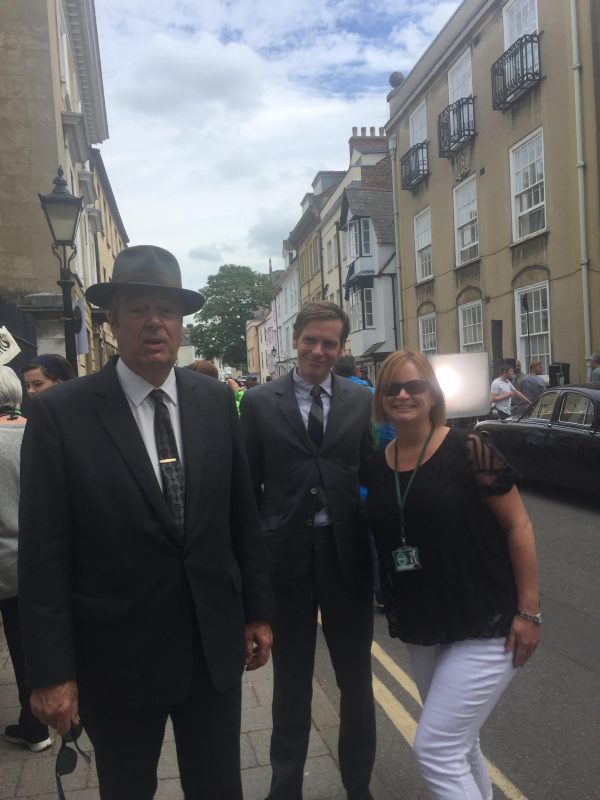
[459,684]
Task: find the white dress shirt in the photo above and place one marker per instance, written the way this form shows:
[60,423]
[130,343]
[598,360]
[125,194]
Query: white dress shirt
[137,391]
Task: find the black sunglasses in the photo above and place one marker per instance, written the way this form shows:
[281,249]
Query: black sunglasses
[66,760]
[411,387]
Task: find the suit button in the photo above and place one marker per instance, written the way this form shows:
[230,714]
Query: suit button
[313,490]
[309,523]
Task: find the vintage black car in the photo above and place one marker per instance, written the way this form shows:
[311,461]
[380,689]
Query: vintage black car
[556,440]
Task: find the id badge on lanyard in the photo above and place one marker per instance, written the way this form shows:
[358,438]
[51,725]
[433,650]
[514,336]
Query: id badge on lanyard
[406,558]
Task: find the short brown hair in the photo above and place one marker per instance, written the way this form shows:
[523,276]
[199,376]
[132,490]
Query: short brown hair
[384,381]
[534,365]
[319,312]
[205,367]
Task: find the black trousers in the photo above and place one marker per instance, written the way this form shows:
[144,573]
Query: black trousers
[31,728]
[206,725]
[347,619]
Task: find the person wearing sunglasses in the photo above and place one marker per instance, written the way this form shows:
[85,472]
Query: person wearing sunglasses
[458,571]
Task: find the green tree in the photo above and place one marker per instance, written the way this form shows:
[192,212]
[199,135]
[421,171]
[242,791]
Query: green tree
[235,294]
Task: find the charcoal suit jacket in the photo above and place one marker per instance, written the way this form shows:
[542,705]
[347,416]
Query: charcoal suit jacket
[110,594]
[288,473]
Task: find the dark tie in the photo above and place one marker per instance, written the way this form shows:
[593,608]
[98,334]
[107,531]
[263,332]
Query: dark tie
[315,417]
[171,467]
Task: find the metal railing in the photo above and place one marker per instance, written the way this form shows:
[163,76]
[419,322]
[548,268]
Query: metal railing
[456,125]
[414,165]
[516,71]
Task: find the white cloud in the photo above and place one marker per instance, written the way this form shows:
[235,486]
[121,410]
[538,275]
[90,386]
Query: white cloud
[222,112]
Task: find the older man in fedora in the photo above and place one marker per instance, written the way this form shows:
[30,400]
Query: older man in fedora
[142,598]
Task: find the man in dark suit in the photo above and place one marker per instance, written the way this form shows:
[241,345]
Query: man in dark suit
[142,592]
[306,435]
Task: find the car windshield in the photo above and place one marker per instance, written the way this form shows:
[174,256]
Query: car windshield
[543,407]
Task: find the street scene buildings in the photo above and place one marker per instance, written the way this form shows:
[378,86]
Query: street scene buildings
[53,113]
[482,233]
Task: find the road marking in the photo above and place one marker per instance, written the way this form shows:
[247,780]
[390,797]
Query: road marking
[406,725]
[396,672]
[404,722]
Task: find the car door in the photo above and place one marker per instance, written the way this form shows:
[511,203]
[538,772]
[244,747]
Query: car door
[573,443]
[523,441]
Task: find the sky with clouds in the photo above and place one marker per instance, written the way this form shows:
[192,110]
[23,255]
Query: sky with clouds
[221,112]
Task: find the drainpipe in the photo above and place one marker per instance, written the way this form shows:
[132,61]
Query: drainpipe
[583,247]
[392,144]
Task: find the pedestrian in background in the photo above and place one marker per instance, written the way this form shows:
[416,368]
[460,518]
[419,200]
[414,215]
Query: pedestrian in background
[502,392]
[306,435]
[45,371]
[595,365]
[28,730]
[533,385]
[458,567]
[204,367]
[140,599]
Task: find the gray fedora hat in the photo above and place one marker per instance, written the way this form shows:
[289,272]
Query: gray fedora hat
[145,266]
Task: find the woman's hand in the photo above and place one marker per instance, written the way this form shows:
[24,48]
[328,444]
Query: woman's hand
[523,637]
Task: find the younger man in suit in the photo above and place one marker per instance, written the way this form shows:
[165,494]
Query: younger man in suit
[140,598]
[306,435]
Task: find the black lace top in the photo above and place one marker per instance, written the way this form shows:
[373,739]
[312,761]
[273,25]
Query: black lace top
[466,587]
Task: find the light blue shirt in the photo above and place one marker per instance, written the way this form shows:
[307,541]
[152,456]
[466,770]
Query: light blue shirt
[302,391]
[137,391]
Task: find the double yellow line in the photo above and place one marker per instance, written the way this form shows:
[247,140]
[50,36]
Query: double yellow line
[407,726]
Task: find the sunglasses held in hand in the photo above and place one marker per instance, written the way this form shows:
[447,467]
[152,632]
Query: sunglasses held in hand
[410,387]
[66,760]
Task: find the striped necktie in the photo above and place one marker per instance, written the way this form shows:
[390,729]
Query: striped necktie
[315,417]
[171,468]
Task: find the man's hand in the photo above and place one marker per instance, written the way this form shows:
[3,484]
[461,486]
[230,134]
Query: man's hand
[259,639]
[56,706]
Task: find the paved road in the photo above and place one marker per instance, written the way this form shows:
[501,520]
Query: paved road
[543,737]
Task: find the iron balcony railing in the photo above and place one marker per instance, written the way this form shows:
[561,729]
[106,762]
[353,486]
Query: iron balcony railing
[456,125]
[414,165]
[516,71]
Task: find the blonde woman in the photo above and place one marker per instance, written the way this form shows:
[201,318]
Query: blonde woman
[458,569]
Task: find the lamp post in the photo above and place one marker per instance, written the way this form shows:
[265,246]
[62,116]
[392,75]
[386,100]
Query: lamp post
[273,358]
[62,211]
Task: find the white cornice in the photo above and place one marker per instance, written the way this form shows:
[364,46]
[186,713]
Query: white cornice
[83,37]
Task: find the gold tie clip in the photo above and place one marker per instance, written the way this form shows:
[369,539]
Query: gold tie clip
[167,460]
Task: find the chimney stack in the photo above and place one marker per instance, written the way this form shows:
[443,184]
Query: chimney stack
[363,131]
[382,131]
[372,131]
[354,131]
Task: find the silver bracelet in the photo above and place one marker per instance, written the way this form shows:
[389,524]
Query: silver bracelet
[537,618]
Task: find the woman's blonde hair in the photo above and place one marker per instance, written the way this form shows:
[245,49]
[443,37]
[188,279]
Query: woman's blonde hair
[384,381]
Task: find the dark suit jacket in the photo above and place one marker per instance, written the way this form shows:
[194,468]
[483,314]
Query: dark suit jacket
[287,472]
[109,594]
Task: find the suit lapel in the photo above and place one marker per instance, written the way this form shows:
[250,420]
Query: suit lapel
[337,412]
[115,415]
[288,405]
[195,433]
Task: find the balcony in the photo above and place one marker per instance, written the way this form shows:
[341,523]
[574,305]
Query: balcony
[516,71]
[414,166]
[456,126]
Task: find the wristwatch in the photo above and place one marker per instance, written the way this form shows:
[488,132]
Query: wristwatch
[537,618]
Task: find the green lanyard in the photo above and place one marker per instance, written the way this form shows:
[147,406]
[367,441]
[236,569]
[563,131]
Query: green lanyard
[402,499]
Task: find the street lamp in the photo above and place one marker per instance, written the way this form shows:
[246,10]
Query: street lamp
[62,212]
